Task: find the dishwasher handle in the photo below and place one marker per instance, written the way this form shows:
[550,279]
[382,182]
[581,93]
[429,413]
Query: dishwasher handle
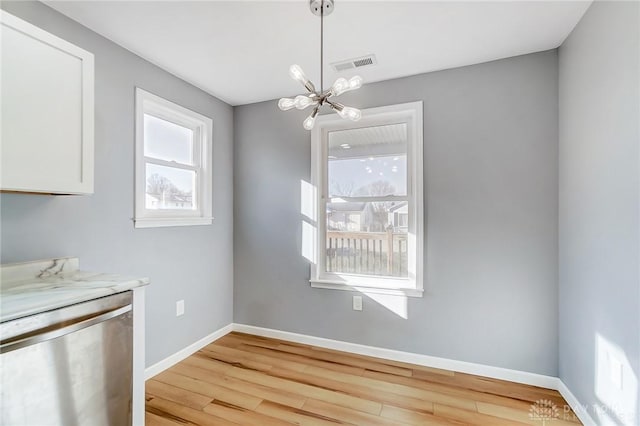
[38,338]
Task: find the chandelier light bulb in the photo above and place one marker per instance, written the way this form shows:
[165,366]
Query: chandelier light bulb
[297,74]
[349,113]
[286,104]
[340,86]
[310,120]
[308,123]
[302,101]
[355,82]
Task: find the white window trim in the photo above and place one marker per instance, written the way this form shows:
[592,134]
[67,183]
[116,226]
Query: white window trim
[410,113]
[203,144]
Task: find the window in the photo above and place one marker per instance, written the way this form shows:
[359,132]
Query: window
[173,164]
[368,177]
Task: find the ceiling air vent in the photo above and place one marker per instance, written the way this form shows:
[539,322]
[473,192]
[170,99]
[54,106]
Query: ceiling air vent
[355,63]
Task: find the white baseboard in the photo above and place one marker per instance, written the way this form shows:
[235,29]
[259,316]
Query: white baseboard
[524,377]
[575,405]
[169,361]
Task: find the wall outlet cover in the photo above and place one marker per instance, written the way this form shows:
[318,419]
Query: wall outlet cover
[357,303]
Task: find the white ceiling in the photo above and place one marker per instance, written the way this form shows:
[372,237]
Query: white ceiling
[240,51]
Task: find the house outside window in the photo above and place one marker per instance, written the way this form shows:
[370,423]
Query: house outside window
[173,164]
[368,177]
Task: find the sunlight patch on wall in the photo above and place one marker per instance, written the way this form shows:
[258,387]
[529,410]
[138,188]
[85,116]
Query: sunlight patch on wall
[308,200]
[309,238]
[308,204]
[616,385]
[396,304]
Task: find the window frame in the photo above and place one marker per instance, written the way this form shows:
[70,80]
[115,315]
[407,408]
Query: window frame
[410,113]
[202,145]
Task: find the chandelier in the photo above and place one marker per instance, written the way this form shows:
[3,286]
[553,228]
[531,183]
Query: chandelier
[315,98]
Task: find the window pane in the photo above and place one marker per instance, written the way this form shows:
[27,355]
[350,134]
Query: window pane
[170,188]
[370,161]
[368,238]
[167,141]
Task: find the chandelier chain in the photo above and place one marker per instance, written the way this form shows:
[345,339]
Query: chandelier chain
[322,46]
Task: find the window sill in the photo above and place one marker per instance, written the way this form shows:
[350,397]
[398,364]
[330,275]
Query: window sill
[332,285]
[158,222]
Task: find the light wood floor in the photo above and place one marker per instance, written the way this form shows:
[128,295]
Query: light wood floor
[249,380]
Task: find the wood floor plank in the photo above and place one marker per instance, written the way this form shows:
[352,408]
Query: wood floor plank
[308,391]
[255,357]
[241,415]
[295,415]
[184,415]
[231,360]
[450,390]
[471,417]
[176,394]
[398,364]
[345,414]
[251,380]
[238,399]
[493,386]
[213,388]
[357,390]
[252,393]
[228,341]
[521,416]
[151,419]
[274,352]
[395,388]
[346,359]
[203,361]
[413,417]
[254,340]
[174,378]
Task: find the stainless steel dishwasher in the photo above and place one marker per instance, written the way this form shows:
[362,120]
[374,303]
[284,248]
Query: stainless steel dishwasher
[70,366]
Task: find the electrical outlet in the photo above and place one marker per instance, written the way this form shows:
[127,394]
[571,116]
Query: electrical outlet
[357,303]
[179,308]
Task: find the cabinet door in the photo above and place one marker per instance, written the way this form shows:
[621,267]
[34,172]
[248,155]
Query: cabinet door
[47,111]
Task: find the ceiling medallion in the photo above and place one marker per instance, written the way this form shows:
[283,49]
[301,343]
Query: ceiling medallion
[315,98]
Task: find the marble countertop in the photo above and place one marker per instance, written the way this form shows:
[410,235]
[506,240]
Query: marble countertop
[33,287]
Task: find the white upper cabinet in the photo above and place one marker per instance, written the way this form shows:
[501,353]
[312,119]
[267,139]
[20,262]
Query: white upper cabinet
[46,92]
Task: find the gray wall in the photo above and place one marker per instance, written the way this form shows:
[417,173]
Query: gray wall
[191,263]
[599,205]
[491,138]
